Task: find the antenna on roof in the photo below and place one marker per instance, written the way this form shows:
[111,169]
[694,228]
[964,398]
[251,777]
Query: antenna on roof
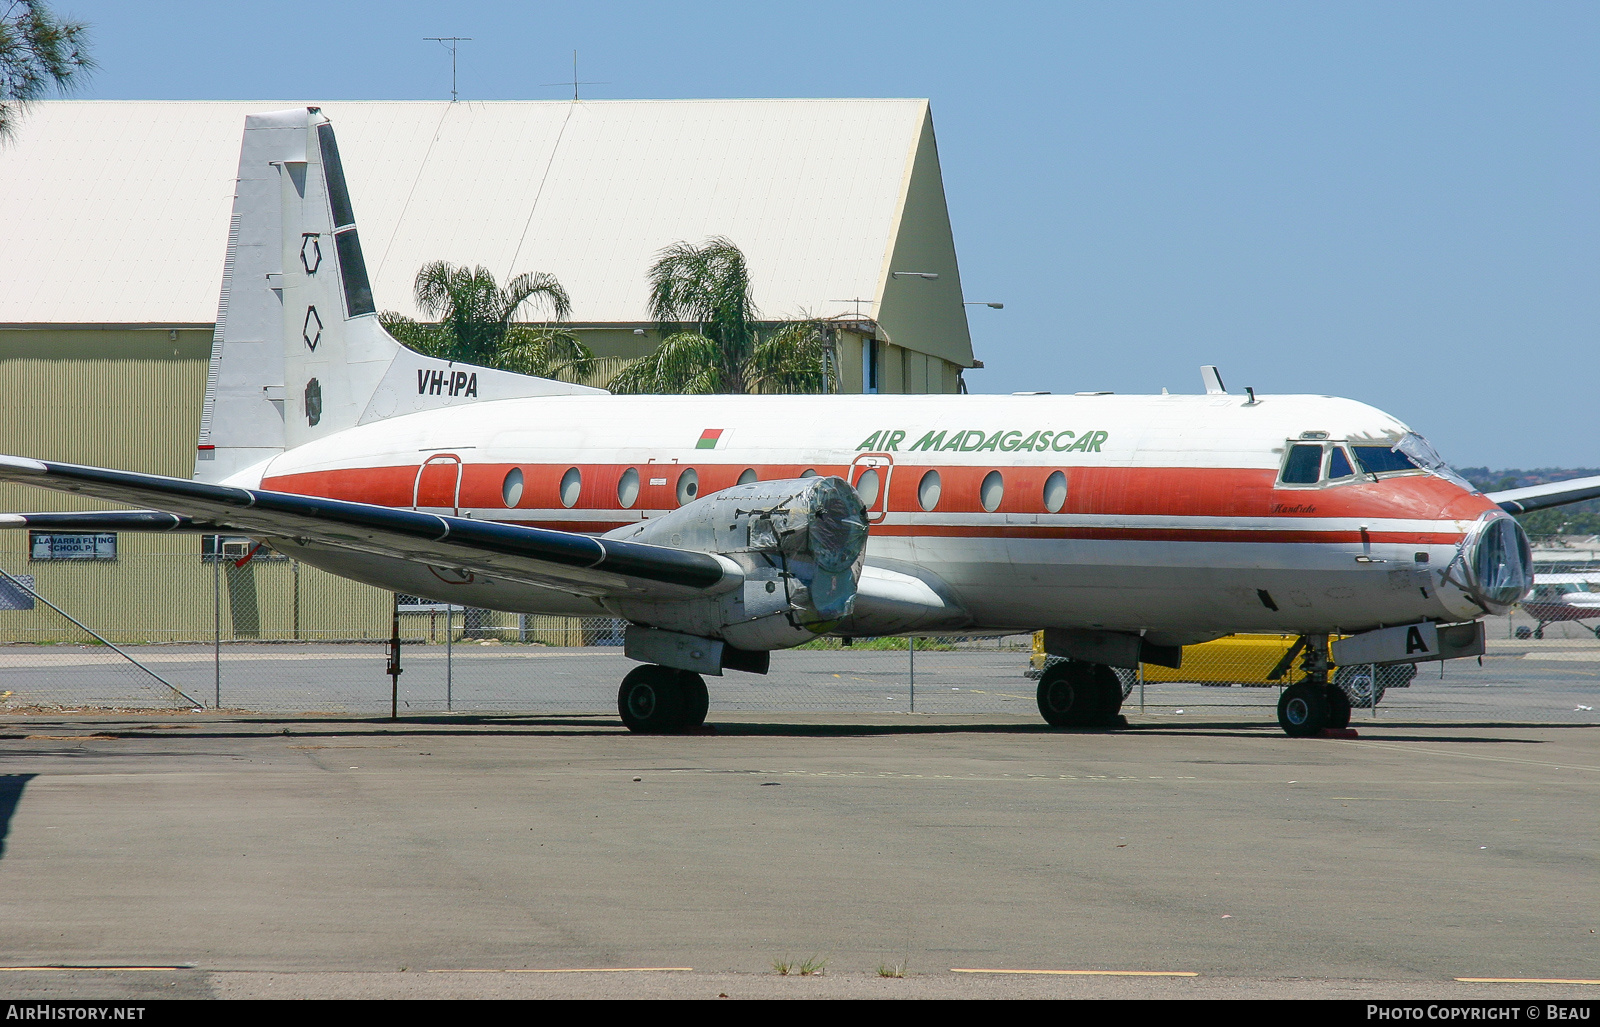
[575,83]
[452,41]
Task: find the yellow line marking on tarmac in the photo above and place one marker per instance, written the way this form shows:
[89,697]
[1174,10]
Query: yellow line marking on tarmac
[578,970]
[1473,756]
[1524,980]
[1390,798]
[101,968]
[1085,973]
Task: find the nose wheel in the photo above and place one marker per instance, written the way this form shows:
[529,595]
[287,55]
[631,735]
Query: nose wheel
[1308,708]
[657,700]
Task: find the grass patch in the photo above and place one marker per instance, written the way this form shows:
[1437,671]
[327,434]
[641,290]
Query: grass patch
[811,966]
[886,970]
[878,644]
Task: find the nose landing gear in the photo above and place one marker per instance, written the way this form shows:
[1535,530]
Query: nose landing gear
[657,700]
[1313,705]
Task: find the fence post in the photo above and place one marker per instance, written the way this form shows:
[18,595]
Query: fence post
[394,660]
[913,650]
[449,654]
[216,620]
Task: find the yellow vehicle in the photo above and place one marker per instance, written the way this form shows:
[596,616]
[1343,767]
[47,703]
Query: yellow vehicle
[1246,660]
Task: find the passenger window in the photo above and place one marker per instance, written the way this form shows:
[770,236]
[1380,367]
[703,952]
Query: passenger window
[1303,466]
[1339,464]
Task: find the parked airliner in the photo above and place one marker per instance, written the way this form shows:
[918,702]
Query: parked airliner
[726,527]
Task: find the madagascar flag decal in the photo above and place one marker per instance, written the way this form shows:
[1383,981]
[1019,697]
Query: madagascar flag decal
[709,438]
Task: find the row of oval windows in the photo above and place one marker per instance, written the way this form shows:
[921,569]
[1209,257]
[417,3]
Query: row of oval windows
[929,489]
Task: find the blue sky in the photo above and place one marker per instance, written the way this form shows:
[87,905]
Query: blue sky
[1395,202]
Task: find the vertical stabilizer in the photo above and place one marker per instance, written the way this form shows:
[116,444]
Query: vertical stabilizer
[298,352]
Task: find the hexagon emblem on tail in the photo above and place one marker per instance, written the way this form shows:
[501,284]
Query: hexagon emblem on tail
[312,330]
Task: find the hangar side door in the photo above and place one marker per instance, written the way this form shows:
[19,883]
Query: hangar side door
[438,483]
[869,475]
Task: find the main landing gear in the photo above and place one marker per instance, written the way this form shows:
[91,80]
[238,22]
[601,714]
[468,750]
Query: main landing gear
[656,700]
[1313,705]
[1073,694]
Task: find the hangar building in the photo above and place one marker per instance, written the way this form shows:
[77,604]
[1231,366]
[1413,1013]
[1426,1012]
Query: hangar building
[116,218]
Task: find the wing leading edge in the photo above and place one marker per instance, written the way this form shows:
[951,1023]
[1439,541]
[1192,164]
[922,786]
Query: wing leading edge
[570,562]
[1541,497]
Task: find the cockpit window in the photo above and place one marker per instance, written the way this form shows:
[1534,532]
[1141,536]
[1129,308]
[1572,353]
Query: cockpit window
[1304,465]
[1339,464]
[1381,459]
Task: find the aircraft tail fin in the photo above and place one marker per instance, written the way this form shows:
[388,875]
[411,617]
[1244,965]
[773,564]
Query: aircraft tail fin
[298,352]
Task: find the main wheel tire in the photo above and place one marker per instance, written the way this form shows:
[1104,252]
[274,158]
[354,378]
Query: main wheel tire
[1303,710]
[1067,695]
[652,700]
[1338,707]
[1073,694]
[696,699]
[1108,693]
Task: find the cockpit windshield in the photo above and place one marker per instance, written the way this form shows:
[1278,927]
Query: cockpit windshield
[1382,459]
[1312,463]
[1422,454]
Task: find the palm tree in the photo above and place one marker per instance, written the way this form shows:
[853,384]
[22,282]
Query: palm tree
[478,322]
[37,49]
[728,349]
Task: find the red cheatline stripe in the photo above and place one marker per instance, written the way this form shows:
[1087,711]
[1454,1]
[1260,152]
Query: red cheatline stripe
[1143,491]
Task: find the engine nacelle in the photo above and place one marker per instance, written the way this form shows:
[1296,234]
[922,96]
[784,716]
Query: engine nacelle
[800,543]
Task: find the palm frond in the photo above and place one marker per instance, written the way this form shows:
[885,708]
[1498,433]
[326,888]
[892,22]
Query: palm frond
[533,285]
[707,286]
[425,339]
[544,353]
[683,364]
[789,359]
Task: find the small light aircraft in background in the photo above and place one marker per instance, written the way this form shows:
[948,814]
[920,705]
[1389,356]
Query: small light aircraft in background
[1562,597]
[725,527]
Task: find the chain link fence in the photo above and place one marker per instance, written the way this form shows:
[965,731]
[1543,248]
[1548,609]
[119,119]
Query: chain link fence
[214,623]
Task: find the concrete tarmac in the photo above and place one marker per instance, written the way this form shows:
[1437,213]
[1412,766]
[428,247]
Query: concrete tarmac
[446,856]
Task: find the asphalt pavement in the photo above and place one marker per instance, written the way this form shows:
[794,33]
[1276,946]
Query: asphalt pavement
[456,855]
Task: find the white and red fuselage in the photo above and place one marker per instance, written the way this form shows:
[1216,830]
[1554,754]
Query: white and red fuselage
[1168,515]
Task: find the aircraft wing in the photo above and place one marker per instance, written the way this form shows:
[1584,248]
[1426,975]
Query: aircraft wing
[568,561]
[1538,497]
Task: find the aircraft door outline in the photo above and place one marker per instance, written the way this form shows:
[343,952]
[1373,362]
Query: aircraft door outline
[438,459]
[658,487]
[883,465]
